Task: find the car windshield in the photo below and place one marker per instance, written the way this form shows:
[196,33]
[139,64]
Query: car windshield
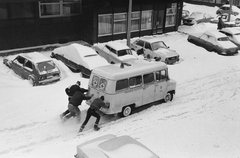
[124,52]
[223,39]
[46,66]
[159,44]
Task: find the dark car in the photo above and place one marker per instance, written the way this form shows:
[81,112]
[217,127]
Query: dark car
[35,67]
[213,40]
[79,58]
[196,18]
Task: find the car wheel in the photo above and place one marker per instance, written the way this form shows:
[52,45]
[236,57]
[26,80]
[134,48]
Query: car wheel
[32,81]
[126,111]
[168,97]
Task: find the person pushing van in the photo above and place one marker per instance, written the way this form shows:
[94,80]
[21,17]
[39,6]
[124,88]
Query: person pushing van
[93,111]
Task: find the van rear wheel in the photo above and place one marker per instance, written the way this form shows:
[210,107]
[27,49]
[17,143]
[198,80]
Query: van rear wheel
[126,111]
[168,97]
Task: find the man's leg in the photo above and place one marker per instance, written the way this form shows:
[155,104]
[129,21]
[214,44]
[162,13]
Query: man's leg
[72,112]
[95,114]
[86,120]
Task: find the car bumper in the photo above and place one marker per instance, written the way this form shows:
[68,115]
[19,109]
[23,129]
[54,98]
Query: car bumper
[172,60]
[50,80]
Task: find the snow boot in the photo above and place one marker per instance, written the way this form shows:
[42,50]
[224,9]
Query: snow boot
[96,128]
[81,129]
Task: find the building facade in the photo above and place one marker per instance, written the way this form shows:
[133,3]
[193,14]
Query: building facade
[213,2]
[26,23]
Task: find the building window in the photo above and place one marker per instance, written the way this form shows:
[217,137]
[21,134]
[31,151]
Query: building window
[120,23]
[21,10]
[171,15]
[146,20]
[58,8]
[3,11]
[135,21]
[104,24]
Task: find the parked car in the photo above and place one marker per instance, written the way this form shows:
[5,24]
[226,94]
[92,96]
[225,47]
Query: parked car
[196,18]
[233,34]
[79,58]
[35,67]
[213,40]
[115,52]
[234,20]
[226,8]
[155,48]
[111,146]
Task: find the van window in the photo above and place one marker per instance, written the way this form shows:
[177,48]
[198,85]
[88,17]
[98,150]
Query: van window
[161,75]
[102,84]
[95,81]
[122,84]
[148,78]
[135,81]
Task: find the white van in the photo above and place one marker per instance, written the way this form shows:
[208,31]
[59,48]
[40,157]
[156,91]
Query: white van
[132,84]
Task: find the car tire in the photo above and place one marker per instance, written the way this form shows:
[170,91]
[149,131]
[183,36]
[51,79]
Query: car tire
[126,111]
[168,97]
[32,81]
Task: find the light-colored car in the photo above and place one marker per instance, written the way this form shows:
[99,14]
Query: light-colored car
[213,40]
[196,18]
[233,34]
[111,146]
[35,67]
[79,58]
[115,52]
[226,8]
[155,48]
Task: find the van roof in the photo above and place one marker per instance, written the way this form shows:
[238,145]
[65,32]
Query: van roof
[136,67]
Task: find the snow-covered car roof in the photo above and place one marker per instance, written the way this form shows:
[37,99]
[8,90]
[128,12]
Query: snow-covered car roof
[82,55]
[150,39]
[117,45]
[215,33]
[110,146]
[35,57]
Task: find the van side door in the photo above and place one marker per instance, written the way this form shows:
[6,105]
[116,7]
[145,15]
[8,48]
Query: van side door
[148,88]
[161,84]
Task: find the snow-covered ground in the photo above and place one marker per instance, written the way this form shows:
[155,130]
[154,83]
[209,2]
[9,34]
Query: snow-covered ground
[202,121]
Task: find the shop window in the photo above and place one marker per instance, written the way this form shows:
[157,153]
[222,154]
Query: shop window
[146,20]
[171,15]
[21,10]
[120,23]
[135,21]
[104,24]
[3,11]
[56,8]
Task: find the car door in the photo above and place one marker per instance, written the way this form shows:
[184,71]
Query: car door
[27,69]
[203,41]
[148,88]
[160,84]
[17,65]
[148,52]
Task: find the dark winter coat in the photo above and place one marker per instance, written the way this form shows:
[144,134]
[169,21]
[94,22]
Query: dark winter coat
[77,98]
[74,88]
[220,24]
[97,104]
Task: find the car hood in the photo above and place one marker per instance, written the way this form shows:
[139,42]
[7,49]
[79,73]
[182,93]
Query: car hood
[237,38]
[166,52]
[127,58]
[227,44]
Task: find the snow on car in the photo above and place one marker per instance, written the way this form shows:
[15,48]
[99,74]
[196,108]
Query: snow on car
[35,67]
[233,34]
[115,52]
[79,58]
[111,146]
[213,40]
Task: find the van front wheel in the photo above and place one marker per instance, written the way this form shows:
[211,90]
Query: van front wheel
[168,97]
[126,111]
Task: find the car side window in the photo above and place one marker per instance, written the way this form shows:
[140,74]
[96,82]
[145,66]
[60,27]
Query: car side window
[122,84]
[148,46]
[140,43]
[148,78]
[161,75]
[28,65]
[111,49]
[135,81]
[19,60]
